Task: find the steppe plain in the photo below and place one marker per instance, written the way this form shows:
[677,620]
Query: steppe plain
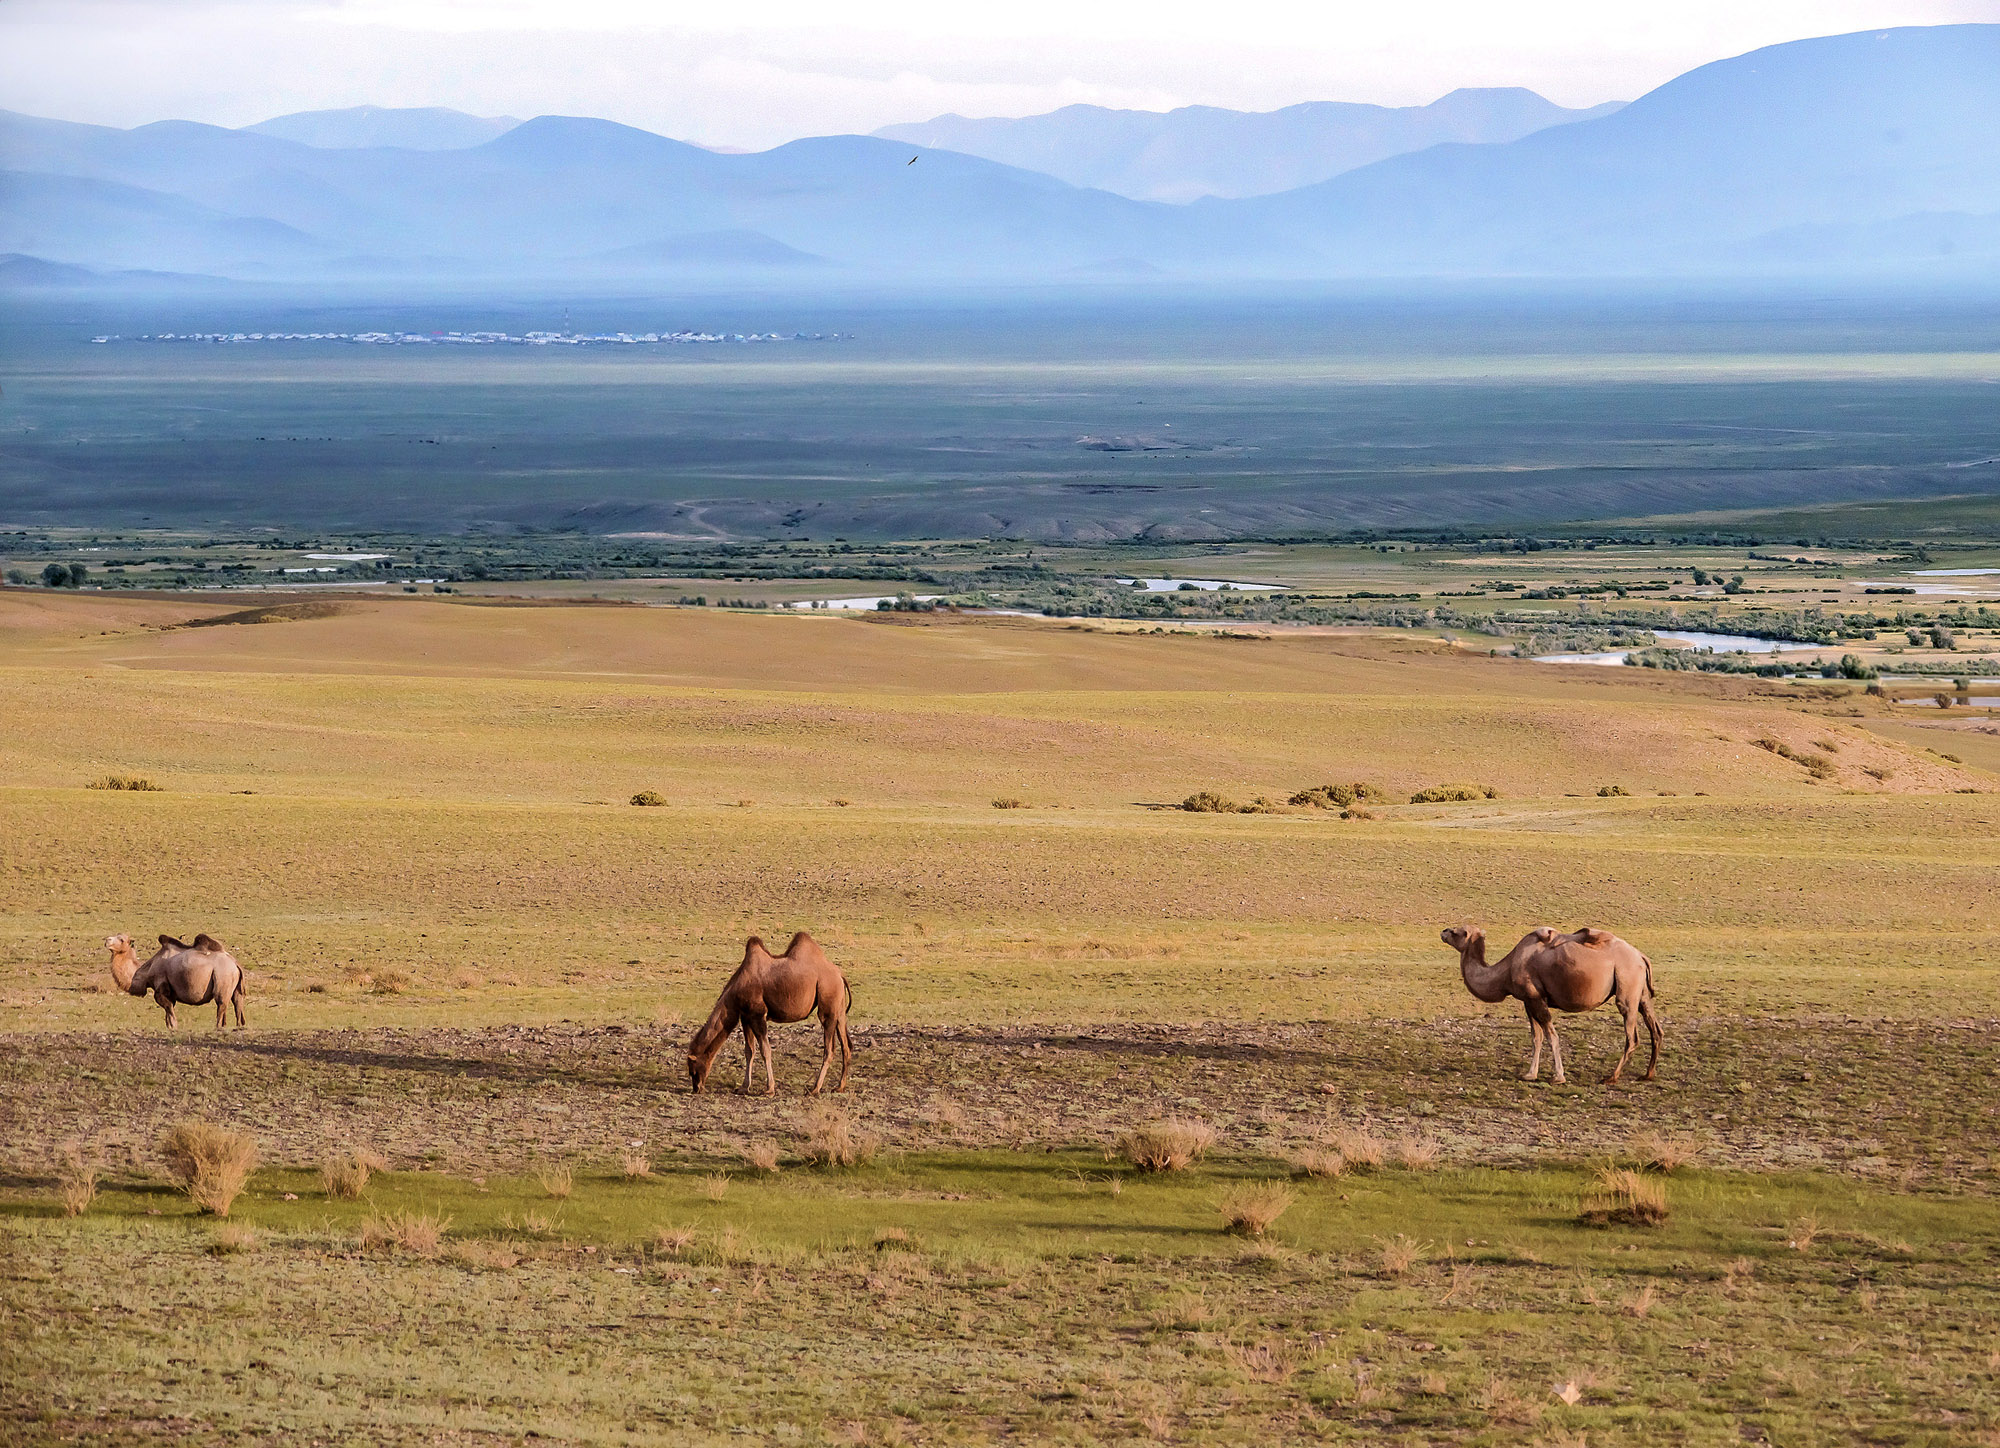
[468,952]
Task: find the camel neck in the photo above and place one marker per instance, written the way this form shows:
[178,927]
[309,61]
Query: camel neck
[1488,982]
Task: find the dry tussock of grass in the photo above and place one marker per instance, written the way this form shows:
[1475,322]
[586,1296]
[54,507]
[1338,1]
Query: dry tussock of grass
[1657,1151]
[715,1186]
[1506,1404]
[635,1164]
[344,1175]
[894,1239]
[1803,1232]
[674,1240]
[1400,1253]
[1358,1145]
[761,1155]
[210,1163]
[467,979]
[1416,1153]
[834,1139]
[557,1178]
[389,982]
[1249,1211]
[535,1224]
[137,783]
[1625,1198]
[76,1179]
[231,1238]
[418,1233]
[1640,1303]
[1170,1145]
[944,1113]
[1319,1161]
[1266,1362]
[482,1256]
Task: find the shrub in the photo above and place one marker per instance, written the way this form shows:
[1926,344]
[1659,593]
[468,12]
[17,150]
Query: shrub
[1171,1145]
[556,1177]
[415,1232]
[389,982]
[1654,1151]
[1400,1253]
[1208,802]
[1359,1145]
[137,783]
[210,1163]
[1612,791]
[346,1174]
[1454,794]
[1813,764]
[649,798]
[76,1179]
[1318,1161]
[1009,802]
[1623,1197]
[833,1138]
[1336,796]
[1250,1211]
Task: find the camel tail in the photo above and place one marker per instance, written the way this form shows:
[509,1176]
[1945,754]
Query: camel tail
[1651,994]
[850,994]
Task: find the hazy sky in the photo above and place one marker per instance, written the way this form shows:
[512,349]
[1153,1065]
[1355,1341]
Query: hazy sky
[757,72]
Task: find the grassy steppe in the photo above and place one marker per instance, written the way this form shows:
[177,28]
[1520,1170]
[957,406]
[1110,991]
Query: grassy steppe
[468,951]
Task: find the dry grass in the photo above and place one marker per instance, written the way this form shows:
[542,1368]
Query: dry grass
[1640,1303]
[1398,1254]
[1319,1161]
[345,1174]
[1802,1232]
[209,1162]
[1249,1211]
[76,1179]
[1625,1198]
[231,1238]
[1660,1152]
[649,799]
[674,1240]
[761,1155]
[834,1139]
[1266,1362]
[1357,1145]
[467,979]
[558,1178]
[635,1164]
[1416,1153]
[389,982]
[715,1186]
[134,782]
[417,1233]
[1174,1144]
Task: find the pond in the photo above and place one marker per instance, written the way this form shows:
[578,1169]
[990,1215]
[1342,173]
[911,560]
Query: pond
[874,601]
[1715,643]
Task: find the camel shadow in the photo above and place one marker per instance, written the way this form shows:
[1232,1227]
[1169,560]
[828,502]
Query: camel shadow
[467,1067]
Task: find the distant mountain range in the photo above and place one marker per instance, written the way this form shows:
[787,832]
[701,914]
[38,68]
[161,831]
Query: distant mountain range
[1862,153]
[1201,151]
[430,128]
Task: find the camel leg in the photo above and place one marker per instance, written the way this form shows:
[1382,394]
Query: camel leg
[764,1045]
[826,1029]
[1555,1046]
[221,1011]
[1631,1043]
[237,999]
[846,1055]
[166,1003]
[749,1057]
[1653,1030]
[1534,1070]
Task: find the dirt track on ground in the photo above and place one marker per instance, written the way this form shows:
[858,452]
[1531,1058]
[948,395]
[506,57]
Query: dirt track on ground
[1909,1101]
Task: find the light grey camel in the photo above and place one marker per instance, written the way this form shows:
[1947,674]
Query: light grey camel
[181,974]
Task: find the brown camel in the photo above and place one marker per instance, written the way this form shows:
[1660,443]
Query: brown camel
[1579,971]
[181,974]
[782,988]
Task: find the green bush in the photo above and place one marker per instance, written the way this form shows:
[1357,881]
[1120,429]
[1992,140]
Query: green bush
[1454,794]
[1608,791]
[1208,802]
[649,797]
[1336,796]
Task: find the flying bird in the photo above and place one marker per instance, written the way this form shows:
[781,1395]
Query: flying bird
[911,162]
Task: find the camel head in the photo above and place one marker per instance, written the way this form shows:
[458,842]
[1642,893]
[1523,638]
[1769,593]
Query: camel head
[124,963]
[707,1044]
[1463,938]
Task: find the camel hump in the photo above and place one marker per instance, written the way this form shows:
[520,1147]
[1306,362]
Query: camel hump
[169,941]
[802,938]
[1546,934]
[1591,935]
[208,942]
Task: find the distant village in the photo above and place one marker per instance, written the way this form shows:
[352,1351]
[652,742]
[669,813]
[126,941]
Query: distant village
[483,339]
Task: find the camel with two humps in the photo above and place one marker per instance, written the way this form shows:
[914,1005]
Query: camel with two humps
[782,988]
[181,974]
[1550,970]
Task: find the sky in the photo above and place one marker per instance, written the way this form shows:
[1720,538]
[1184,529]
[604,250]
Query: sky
[755,73]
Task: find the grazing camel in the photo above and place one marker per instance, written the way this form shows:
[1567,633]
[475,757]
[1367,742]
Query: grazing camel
[782,988]
[1579,971]
[181,974]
